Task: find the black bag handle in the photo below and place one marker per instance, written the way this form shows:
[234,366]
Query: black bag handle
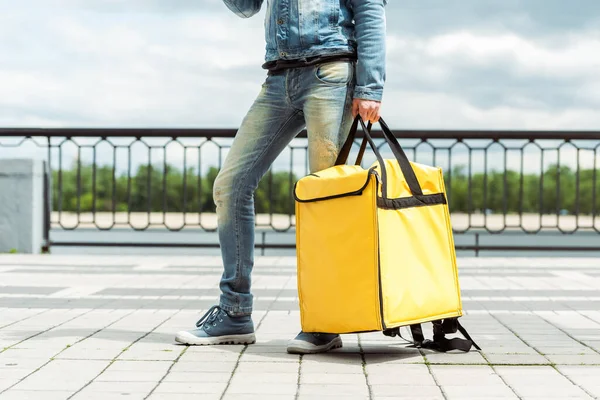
[405,166]
[345,151]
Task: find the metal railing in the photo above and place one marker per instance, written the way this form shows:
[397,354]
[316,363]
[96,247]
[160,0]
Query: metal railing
[142,179]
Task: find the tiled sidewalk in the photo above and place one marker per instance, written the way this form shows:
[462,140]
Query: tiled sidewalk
[102,328]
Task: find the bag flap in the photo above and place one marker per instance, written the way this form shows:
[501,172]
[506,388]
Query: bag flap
[331,182]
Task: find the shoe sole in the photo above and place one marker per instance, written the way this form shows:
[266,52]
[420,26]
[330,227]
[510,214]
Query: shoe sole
[189,339]
[301,347]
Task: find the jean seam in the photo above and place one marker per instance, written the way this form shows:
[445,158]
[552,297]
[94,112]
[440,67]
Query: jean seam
[238,266]
[349,91]
[334,84]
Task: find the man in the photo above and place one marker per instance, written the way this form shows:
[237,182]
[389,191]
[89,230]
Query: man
[326,63]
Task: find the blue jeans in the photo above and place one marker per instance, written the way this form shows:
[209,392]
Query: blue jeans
[317,97]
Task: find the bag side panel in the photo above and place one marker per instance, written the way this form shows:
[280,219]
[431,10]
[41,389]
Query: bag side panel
[338,281]
[452,246]
[418,265]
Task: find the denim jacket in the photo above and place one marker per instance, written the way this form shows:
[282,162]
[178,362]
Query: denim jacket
[304,28]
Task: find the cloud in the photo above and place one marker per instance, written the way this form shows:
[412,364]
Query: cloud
[531,18]
[577,56]
[95,70]
[148,63]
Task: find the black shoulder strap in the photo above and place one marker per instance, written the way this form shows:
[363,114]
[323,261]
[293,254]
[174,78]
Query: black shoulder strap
[440,342]
[464,332]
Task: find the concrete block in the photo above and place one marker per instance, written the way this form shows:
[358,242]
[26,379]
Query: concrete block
[21,205]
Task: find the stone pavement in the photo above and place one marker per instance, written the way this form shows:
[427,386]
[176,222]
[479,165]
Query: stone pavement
[87,327]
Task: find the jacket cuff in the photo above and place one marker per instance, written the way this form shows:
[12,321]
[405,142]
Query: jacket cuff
[361,92]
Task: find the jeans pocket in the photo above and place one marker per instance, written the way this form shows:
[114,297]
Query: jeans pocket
[335,73]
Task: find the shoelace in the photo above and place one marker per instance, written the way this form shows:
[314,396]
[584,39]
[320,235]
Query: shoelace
[209,317]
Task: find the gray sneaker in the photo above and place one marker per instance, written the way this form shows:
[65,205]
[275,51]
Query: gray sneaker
[310,343]
[218,327]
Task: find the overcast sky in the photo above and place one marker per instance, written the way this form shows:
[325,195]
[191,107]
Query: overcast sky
[527,64]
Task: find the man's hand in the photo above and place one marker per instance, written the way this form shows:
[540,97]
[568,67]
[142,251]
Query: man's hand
[368,109]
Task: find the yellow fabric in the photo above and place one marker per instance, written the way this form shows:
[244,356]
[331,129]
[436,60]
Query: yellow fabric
[346,245]
[338,277]
[331,181]
[428,177]
[418,263]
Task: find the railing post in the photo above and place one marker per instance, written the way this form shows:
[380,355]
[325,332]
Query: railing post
[22,205]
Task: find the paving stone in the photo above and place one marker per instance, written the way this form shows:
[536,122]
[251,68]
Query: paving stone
[210,356]
[409,397]
[324,368]
[36,395]
[593,389]
[251,378]
[245,387]
[238,396]
[91,395]
[409,375]
[6,382]
[539,382]
[146,327]
[204,366]
[258,348]
[516,359]
[191,387]
[270,357]
[139,366]
[579,371]
[561,359]
[555,396]
[317,390]
[150,355]
[594,344]
[13,374]
[465,375]
[332,397]
[130,376]
[324,379]
[199,376]
[472,357]
[185,396]
[496,348]
[469,397]
[133,387]
[88,354]
[573,350]
[51,377]
[403,392]
[395,358]
[498,390]
[263,367]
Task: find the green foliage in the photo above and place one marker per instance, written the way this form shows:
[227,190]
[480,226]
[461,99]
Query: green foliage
[550,193]
[156,188]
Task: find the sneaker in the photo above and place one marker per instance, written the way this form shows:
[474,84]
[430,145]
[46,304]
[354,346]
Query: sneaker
[218,327]
[309,343]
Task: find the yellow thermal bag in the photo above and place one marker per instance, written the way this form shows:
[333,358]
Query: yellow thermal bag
[375,249]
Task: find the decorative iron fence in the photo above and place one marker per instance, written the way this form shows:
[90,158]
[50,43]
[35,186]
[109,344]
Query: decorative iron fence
[142,179]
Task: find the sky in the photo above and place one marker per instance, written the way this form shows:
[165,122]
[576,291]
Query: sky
[462,64]
[451,64]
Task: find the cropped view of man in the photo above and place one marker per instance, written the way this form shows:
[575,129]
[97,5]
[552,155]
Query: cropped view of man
[326,64]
